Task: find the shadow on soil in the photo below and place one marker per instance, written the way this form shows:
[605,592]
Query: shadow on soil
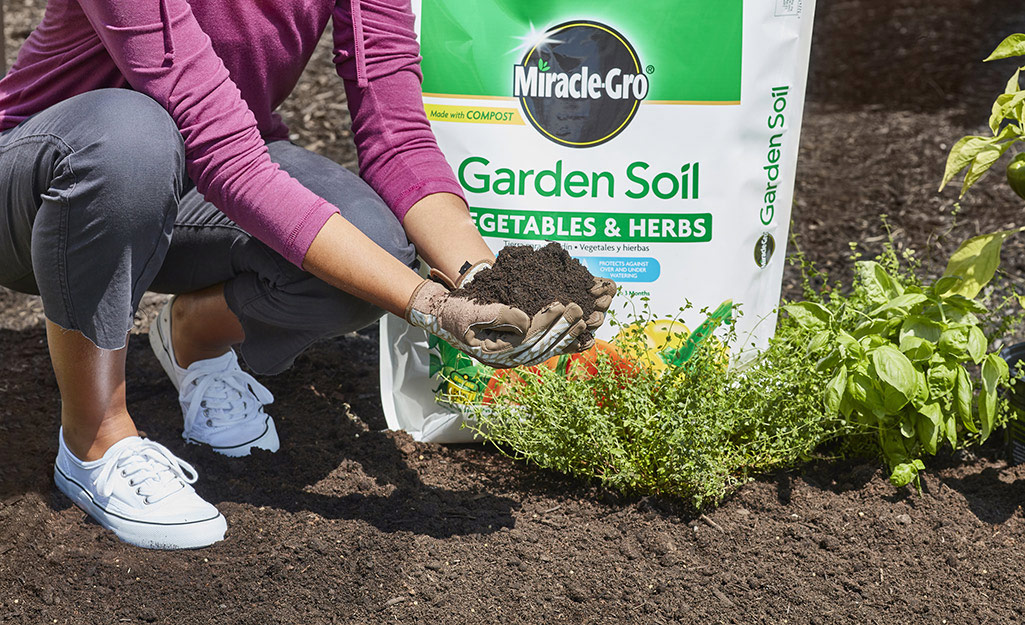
[335,464]
[331,463]
[992,496]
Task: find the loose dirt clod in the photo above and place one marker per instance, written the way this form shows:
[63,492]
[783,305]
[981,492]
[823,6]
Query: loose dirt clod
[531,279]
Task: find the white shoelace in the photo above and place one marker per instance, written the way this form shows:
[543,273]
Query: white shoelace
[222,397]
[151,468]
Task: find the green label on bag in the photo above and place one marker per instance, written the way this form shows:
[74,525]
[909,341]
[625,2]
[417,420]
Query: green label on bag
[605,227]
[608,56]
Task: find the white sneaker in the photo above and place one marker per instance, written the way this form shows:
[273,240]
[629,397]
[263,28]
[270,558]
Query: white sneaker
[142,492]
[222,405]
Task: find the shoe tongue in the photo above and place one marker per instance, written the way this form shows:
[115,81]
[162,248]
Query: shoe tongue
[224,362]
[119,446]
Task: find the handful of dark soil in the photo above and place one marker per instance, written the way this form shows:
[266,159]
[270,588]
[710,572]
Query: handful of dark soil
[531,279]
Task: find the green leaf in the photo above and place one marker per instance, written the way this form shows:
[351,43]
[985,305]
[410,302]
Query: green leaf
[894,400]
[893,446]
[987,414]
[894,368]
[882,327]
[962,155]
[1008,48]
[923,389]
[1002,370]
[1013,85]
[959,317]
[878,285]
[945,284]
[846,405]
[994,371]
[963,400]
[963,303]
[949,427]
[902,302]
[542,65]
[928,427]
[810,315]
[1003,107]
[933,413]
[941,379]
[870,342]
[907,424]
[954,342]
[819,341]
[835,390]
[934,312]
[906,472]
[976,261]
[903,474]
[849,345]
[986,157]
[828,363]
[864,393]
[921,327]
[918,350]
[977,344]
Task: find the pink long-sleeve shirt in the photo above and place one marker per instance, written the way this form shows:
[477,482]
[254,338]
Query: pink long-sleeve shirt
[220,68]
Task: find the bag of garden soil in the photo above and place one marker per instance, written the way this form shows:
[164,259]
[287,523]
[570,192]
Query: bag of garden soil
[656,141]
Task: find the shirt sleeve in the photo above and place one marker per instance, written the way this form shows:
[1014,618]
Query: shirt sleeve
[377,56]
[163,52]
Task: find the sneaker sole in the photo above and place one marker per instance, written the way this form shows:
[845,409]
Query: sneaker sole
[268,440]
[192,535]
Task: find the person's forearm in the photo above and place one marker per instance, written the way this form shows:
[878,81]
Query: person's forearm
[346,258]
[440,228]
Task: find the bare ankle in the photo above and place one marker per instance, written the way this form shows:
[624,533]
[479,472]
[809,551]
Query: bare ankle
[213,337]
[89,440]
[179,321]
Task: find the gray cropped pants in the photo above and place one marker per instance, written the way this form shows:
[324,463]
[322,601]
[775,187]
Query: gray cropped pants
[96,208]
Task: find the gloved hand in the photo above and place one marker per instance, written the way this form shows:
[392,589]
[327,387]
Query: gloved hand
[603,291]
[502,336]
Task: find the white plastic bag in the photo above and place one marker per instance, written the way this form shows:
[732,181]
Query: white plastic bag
[656,141]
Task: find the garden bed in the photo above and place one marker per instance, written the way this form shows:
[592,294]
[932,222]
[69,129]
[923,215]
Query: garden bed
[347,524]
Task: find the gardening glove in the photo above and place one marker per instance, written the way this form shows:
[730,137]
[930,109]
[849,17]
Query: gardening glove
[603,291]
[553,331]
[485,331]
[497,335]
[469,271]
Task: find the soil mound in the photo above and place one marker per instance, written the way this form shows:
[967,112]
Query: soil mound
[531,279]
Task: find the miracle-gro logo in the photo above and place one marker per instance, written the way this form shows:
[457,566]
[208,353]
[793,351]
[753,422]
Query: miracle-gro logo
[581,85]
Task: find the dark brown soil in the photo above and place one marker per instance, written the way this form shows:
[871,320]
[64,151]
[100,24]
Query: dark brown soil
[349,524]
[530,279]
